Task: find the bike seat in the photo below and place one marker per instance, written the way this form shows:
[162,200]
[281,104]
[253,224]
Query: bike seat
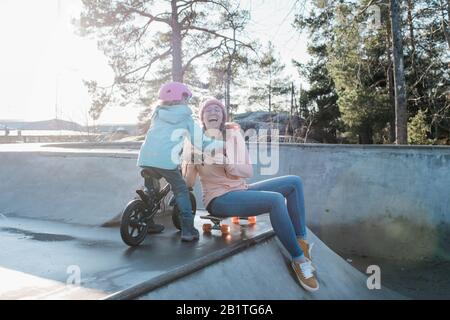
[149,173]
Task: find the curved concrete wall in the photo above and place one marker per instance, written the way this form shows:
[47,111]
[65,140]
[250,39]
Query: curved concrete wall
[80,188]
[342,183]
[345,183]
[355,195]
[379,201]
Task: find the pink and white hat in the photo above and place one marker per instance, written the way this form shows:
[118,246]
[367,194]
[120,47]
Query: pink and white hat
[212,101]
[174,91]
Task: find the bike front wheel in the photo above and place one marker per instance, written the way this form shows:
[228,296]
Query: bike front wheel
[134,226]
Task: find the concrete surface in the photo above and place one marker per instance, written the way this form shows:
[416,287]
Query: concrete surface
[383,205]
[41,254]
[37,257]
[264,272]
[355,182]
[86,189]
[346,182]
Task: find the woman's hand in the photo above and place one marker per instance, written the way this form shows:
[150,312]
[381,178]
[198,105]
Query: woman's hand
[232,126]
[236,149]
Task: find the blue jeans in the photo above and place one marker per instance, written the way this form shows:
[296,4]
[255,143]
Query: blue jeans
[179,188]
[269,196]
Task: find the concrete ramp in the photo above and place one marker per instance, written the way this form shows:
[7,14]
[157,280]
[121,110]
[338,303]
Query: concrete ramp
[80,188]
[264,272]
[49,195]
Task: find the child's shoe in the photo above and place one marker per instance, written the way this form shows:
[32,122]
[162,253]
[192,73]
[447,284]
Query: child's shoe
[155,227]
[188,231]
[305,275]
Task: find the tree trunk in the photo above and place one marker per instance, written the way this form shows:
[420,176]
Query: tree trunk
[270,99]
[411,35]
[390,82]
[177,62]
[390,75]
[228,83]
[291,113]
[366,135]
[401,113]
[292,100]
[227,89]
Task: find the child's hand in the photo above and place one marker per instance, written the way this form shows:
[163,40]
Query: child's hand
[233,131]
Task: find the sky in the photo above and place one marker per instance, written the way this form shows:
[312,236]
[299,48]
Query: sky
[43,62]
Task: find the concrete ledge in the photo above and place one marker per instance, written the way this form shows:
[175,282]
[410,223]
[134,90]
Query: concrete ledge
[136,145]
[175,274]
[95,145]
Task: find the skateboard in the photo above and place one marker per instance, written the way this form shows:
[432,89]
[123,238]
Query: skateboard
[222,227]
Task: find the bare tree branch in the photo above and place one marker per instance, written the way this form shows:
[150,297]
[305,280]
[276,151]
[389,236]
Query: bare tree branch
[147,65]
[201,54]
[148,15]
[189,4]
[215,33]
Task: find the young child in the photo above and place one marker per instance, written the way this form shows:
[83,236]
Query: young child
[171,123]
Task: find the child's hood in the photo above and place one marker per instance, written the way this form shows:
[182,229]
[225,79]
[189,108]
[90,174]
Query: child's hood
[173,114]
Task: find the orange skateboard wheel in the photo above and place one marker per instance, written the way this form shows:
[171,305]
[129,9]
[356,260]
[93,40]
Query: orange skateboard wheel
[225,229]
[235,220]
[207,227]
[252,220]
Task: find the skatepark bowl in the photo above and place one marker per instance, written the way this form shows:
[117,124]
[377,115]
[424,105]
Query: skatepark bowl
[385,207]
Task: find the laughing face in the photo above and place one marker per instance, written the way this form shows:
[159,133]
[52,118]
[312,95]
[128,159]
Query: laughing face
[212,116]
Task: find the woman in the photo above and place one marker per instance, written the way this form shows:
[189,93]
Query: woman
[225,192]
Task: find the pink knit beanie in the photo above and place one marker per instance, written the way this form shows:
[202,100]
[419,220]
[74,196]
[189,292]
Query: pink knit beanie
[212,101]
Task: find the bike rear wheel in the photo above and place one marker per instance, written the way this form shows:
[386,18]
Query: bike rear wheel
[134,227]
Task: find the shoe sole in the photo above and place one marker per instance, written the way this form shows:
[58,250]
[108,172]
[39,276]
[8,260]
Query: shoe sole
[184,239]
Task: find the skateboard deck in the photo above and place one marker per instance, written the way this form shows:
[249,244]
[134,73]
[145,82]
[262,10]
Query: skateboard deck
[213,218]
[235,220]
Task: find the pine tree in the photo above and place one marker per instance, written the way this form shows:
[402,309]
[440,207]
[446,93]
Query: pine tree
[269,88]
[358,68]
[359,61]
[149,42]
[230,61]
[426,63]
[321,94]
[419,129]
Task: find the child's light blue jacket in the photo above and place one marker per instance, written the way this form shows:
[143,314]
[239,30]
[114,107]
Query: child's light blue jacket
[164,140]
